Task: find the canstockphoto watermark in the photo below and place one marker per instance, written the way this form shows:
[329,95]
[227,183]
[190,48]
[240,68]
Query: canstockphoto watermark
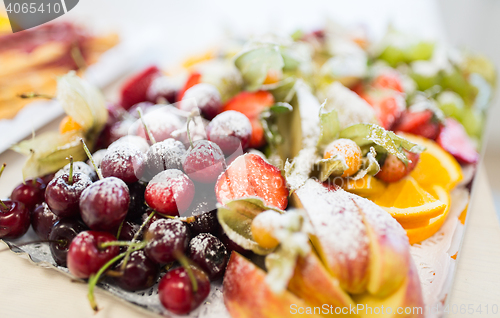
[26,14]
[326,309]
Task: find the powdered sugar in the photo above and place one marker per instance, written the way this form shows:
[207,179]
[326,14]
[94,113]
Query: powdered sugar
[78,166]
[230,123]
[167,154]
[136,141]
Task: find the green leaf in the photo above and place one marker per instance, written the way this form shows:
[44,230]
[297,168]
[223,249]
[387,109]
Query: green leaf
[329,126]
[49,152]
[81,101]
[370,134]
[282,91]
[255,63]
[280,108]
[331,167]
[369,165]
[236,218]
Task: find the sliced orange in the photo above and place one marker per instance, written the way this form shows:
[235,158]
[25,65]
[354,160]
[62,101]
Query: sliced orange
[417,235]
[436,165]
[367,187]
[409,203]
[68,124]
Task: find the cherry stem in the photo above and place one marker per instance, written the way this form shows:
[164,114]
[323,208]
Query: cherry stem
[119,230]
[35,95]
[146,128]
[121,243]
[184,261]
[136,235]
[94,279]
[70,176]
[89,155]
[1,171]
[187,130]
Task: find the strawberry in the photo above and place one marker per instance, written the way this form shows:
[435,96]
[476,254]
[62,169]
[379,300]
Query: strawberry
[388,105]
[193,79]
[252,104]
[420,123]
[389,80]
[454,139]
[249,176]
[135,88]
[394,169]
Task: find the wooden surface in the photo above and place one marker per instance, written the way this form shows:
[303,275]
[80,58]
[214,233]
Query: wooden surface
[27,290]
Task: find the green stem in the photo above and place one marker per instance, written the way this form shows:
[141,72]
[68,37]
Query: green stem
[136,235]
[89,155]
[150,135]
[120,243]
[187,130]
[1,202]
[94,279]
[70,176]
[184,261]
[119,230]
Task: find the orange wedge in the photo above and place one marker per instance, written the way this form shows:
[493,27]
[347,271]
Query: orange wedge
[409,203]
[436,166]
[367,187]
[417,235]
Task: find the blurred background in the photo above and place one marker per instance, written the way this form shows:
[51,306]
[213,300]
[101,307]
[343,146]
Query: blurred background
[183,27]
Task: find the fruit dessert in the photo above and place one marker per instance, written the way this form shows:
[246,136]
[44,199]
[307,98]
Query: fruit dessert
[292,175]
[32,59]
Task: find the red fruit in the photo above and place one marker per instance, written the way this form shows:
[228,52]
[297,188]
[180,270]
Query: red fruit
[104,204]
[388,105]
[176,290]
[252,104]
[170,192]
[389,80]
[205,97]
[204,162]
[231,130]
[454,139]
[167,239]
[420,123]
[30,193]
[193,79]
[43,220]
[135,88]
[394,169]
[86,256]
[14,219]
[63,197]
[248,176]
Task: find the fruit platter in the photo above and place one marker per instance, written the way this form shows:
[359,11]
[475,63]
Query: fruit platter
[315,174]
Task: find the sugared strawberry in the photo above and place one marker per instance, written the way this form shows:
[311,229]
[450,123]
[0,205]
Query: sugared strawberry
[387,103]
[252,104]
[394,169]
[135,89]
[193,79]
[388,80]
[249,175]
[420,123]
[454,139]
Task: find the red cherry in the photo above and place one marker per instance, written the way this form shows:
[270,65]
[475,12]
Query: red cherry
[166,239]
[124,161]
[14,219]
[30,193]
[86,256]
[104,204]
[204,162]
[43,220]
[139,273]
[176,290]
[61,236]
[170,192]
[63,197]
[230,130]
[205,97]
